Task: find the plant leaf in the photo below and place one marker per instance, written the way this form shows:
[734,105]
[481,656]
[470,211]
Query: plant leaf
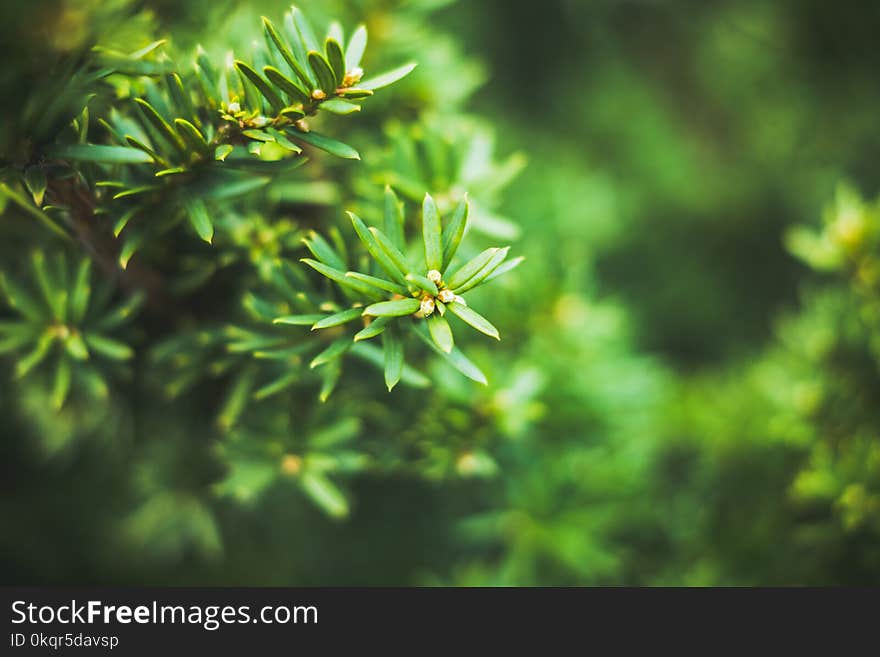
[379,283]
[323,73]
[52,294]
[299,320]
[389,77]
[21,300]
[335,31]
[304,29]
[82,289]
[112,349]
[336,59]
[229,187]
[143,189]
[101,154]
[27,205]
[466,271]
[36,356]
[182,100]
[293,113]
[61,386]
[373,355]
[440,332]
[341,107]
[192,136]
[395,308]
[135,143]
[394,218]
[354,93]
[286,53]
[197,213]
[325,143]
[334,351]
[493,264]
[475,319]
[455,358]
[237,398]
[454,232]
[391,251]
[286,85]
[354,51]
[504,268]
[262,86]
[280,384]
[340,277]
[282,140]
[423,283]
[376,327]
[35,181]
[170,172]
[338,318]
[325,494]
[160,124]
[330,374]
[392,347]
[322,250]
[121,313]
[432,234]
[376,251]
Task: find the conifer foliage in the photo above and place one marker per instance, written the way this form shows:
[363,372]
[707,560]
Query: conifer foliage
[123,161]
[265,317]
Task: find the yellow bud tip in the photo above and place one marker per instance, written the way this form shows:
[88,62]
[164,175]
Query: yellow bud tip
[291,464]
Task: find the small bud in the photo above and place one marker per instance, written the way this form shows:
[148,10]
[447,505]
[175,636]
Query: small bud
[302,125]
[318,94]
[434,276]
[353,76]
[60,331]
[234,107]
[446,296]
[291,464]
[427,306]
[259,121]
[467,463]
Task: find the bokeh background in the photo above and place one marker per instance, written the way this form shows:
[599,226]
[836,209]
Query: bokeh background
[688,389]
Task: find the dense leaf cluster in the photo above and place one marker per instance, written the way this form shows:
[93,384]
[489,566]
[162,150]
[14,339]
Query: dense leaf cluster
[214,149]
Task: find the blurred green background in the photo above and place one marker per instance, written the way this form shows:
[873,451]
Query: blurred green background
[688,389]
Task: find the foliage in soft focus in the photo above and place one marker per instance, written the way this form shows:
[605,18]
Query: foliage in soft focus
[687,387]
